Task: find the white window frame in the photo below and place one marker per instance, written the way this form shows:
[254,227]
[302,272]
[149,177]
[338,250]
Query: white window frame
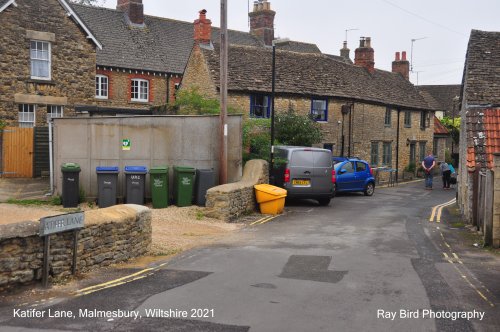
[135,90]
[35,56]
[58,110]
[25,118]
[321,114]
[100,92]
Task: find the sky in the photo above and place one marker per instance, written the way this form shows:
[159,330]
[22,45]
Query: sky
[443,25]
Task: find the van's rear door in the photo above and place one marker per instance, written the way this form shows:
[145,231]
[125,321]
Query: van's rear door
[322,174]
[301,171]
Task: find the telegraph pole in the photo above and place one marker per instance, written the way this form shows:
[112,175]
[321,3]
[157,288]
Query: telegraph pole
[223,92]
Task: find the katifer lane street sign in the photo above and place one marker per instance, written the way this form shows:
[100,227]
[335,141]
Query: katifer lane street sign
[61,223]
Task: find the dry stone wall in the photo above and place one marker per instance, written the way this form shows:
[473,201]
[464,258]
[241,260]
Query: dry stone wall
[110,236]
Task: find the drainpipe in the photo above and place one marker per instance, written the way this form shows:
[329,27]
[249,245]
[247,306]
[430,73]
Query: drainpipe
[350,131]
[51,161]
[397,148]
[168,89]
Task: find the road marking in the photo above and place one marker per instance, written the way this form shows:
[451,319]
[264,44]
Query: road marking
[267,220]
[263,220]
[438,209]
[257,221]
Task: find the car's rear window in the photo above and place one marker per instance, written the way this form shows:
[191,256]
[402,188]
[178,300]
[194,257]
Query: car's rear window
[349,167]
[322,159]
[302,158]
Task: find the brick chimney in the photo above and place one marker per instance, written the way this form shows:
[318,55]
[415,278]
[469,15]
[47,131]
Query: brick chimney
[133,9]
[401,66]
[202,28]
[364,55]
[345,52]
[262,21]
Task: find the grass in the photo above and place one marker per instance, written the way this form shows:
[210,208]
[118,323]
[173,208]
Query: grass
[199,215]
[168,252]
[35,202]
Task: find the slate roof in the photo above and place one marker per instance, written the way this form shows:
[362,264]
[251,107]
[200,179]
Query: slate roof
[163,46]
[339,58]
[439,129]
[313,75]
[443,95]
[482,69]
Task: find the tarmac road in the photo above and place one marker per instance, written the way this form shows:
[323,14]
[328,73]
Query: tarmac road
[361,264]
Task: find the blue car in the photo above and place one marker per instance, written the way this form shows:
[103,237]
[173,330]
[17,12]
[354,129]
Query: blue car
[353,174]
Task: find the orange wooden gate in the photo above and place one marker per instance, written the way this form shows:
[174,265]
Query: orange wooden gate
[17,152]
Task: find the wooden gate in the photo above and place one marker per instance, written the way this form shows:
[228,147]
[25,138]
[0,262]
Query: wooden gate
[17,152]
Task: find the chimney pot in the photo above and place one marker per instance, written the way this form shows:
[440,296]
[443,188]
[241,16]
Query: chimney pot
[404,55]
[368,42]
[397,56]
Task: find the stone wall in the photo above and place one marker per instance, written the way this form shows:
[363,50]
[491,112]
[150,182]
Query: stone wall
[496,201]
[230,201]
[73,60]
[197,76]
[110,236]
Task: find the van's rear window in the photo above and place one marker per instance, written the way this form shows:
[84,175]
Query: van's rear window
[302,158]
[322,159]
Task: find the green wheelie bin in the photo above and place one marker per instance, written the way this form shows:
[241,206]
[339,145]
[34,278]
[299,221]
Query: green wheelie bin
[158,178]
[183,185]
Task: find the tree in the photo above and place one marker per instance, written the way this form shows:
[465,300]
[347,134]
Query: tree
[453,126]
[296,129]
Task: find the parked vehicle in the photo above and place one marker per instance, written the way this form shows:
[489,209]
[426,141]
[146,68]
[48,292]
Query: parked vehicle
[305,172]
[354,175]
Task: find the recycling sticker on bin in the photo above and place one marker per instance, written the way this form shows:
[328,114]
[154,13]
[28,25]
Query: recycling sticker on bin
[186,181]
[126,145]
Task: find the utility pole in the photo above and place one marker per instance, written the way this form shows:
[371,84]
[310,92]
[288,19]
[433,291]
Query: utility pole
[223,92]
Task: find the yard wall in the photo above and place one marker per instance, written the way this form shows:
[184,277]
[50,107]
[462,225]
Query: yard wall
[110,236]
[230,201]
[155,140]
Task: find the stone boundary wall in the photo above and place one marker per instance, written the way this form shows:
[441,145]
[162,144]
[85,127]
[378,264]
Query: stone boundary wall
[230,201]
[110,236]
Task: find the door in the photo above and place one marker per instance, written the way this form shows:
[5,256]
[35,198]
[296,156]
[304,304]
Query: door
[346,178]
[360,176]
[322,173]
[17,152]
[301,171]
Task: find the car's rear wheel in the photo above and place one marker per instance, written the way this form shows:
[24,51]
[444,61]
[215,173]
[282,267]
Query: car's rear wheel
[324,201]
[370,189]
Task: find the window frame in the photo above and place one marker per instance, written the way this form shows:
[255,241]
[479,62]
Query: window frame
[407,119]
[99,86]
[324,111]
[139,93]
[424,120]
[21,115]
[49,60]
[388,117]
[421,150]
[374,157]
[387,154]
[253,105]
[50,110]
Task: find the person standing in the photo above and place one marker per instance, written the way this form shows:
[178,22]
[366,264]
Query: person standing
[428,164]
[445,173]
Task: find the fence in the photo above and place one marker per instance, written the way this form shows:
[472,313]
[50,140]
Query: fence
[482,204]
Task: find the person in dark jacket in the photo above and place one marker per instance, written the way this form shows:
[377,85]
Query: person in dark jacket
[428,164]
[445,173]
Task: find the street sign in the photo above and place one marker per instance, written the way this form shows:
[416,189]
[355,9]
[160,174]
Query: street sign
[61,223]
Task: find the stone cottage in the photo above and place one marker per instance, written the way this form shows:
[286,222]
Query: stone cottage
[143,57]
[480,118]
[47,61]
[380,114]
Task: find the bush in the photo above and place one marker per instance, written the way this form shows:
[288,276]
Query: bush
[296,129]
[411,167]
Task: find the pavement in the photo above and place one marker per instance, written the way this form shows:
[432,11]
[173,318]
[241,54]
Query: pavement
[20,189]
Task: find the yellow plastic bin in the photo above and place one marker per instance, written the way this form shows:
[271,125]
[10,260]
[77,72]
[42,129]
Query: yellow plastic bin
[271,199]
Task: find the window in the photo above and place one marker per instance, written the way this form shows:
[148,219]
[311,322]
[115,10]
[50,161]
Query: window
[40,60]
[319,110]
[101,87]
[435,147]
[348,167]
[422,150]
[387,120]
[139,90]
[374,154]
[360,167]
[55,112]
[424,120]
[26,116]
[413,153]
[408,119]
[387,154]
[260,106]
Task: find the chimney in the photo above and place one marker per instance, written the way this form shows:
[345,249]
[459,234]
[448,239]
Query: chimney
[133,9]
[344,52]
[401,66]
[262,21]
[202,29]
[364,55]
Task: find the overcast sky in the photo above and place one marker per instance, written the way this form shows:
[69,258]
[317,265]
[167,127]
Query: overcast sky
[392,24]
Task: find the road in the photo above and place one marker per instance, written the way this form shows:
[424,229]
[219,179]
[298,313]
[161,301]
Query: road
[361,264]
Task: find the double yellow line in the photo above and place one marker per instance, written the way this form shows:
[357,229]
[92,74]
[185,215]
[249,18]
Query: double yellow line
[120,281]
[438,209]
[263,220]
